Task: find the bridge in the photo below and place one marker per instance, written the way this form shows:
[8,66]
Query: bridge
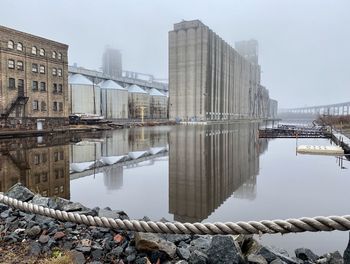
[129,78]
[331,109]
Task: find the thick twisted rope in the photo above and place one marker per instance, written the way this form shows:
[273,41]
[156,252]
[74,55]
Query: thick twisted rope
[315,224]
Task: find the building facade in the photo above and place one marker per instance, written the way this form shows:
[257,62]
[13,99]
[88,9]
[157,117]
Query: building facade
[33,80]
[208,79]
[112,63]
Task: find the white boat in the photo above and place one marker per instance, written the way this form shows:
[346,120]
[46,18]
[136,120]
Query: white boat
[321,150]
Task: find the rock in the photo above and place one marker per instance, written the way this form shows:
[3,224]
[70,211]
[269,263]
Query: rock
[117,251]
[58,203]
[33,231]
[202,244]
[129,250]
[131,258]
[183,253]
[143,260]
[10,219]
[151,242]
[5,214]
[43,239]
[59,235]
[83,249]
[269,254]
[336,258]
[34,249]
[97,254]
[224,249]
[177,238]
[96,234]
[19,192]
[19,230]
[305,254]
[3,207]
[72,207]
[198,257]
[70,225]
[181,262]
[279,261]
[346,256]
[78,257]
[115,214]
[256,259]
[39,200]
[118,238]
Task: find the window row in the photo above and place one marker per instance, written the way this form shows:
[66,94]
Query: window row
[58,155]
[35,67]
[38,178]
[35,50]
[37,106]
[36,86]
[12,83]
[39,158]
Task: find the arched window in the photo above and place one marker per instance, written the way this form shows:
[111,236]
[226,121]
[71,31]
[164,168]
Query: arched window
[42,52]
[19,46]
[54,54]
[60,56]
[10,44]
[34,50]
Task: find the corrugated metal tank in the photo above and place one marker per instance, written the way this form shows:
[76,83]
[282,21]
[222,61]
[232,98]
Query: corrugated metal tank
[84,94]
[158,104]
[138,102]
[114,100]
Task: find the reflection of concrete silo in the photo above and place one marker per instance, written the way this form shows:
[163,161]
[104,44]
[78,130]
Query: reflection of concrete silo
[113,177]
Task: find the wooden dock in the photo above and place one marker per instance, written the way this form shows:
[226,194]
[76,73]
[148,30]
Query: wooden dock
[294,132]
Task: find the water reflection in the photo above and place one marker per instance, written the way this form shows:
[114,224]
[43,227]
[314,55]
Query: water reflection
[207,164]
[41,164]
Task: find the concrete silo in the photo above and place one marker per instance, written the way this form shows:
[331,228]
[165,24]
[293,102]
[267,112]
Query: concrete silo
[84,95]
[138,102]
[158,104]
[114,100]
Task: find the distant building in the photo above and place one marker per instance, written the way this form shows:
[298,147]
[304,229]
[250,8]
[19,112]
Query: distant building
[33,80]
[249,50]
[112,62]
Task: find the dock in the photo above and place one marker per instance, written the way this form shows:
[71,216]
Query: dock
[289,131]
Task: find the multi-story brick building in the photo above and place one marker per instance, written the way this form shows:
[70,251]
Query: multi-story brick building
[33,80]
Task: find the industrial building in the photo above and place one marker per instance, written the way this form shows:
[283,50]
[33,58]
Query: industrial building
[158,105]
[138,102]
[33,81]
[208,79]
[114,100]
[84,95]
[112,62]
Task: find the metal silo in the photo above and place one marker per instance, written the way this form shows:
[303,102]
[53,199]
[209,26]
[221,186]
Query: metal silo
[138,102]
[158,104]
[114,100]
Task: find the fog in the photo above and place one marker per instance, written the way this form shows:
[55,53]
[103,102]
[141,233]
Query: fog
[303,45]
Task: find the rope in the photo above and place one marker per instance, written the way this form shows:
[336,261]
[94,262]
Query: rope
[315,224]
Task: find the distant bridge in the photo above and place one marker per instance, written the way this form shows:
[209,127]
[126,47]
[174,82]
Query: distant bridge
[331,109]
[131,78]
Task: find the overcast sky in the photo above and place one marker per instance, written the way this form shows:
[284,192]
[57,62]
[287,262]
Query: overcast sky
[303,44]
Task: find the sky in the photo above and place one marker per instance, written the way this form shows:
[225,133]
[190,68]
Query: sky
[304,45]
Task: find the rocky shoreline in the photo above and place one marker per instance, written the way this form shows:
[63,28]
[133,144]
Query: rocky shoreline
[30,238]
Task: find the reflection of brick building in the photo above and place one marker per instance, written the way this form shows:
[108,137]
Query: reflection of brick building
[208,164]
[43,170]
[33,79]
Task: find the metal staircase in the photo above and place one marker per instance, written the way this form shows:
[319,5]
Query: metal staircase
[19,101]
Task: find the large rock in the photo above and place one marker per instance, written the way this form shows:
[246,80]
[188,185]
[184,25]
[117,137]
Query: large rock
[115,214]
[256,259]
[198,257]
[39,200]
[73,207]
[152,242]
[19,192]
[269,254]
[202,244]
[305,254]
[225,250]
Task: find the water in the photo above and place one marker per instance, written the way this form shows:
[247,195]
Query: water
[204,173]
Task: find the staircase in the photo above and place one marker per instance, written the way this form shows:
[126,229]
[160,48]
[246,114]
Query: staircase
[20,100]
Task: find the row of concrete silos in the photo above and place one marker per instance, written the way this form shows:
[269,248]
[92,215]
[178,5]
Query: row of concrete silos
[113,101]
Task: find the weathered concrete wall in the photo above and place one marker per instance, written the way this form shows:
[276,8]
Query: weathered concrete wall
[208,79]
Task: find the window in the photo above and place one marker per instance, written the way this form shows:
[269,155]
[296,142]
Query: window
[44,177]
[11,64]
[42,86]
[59,72]
[34,85]
[60,88]
[43,106]
[19,46]
[54,54]
[35,105]
[42,52]
[44,193]
[55,106]
[42,69]
[34,50]
[61,189]
[34,67]
[20,84]
[12,83]
[54,71]
[60,106]
[36,159]
[55,88]
[43,157]
[61,157]
[10,44]
[60,56]
[20,65]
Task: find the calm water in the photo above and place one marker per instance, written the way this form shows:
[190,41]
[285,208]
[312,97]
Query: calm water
[196,173]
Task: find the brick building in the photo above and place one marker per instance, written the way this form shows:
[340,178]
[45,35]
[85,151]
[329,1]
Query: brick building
[33,80]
